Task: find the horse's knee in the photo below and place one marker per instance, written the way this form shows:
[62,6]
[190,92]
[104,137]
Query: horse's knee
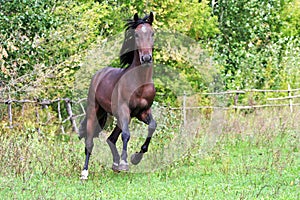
[125,136]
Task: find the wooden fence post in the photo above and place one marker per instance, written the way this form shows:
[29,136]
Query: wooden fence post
[290,99]
[69,110]
[184,109]
[236,98]
[59,117]
[37,115]
[9,110]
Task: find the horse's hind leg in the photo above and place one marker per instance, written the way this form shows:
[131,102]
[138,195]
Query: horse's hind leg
[91,124]
[111,141]
[147,118]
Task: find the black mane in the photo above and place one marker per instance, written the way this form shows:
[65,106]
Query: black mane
[128,47]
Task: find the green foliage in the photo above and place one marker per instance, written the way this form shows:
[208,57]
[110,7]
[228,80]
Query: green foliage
[44,43]
[59,34]
[251,47]
[291,19]
[80,25]
[23,25]
[291,62]
[191,18]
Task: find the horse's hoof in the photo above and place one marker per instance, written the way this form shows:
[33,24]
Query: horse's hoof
[115,167]
[136,158]
[84,174]
[123,166]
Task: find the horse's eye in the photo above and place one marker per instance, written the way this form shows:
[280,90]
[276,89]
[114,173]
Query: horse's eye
[136,35]
[152,34]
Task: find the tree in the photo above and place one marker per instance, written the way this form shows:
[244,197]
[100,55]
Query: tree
[250,46]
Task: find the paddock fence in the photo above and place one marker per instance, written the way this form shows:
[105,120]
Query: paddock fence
[66,106]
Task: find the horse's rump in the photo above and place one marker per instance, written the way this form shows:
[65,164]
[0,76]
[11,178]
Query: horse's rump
[91,103]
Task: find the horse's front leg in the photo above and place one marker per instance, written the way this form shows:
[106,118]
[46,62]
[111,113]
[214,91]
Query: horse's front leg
[147,118]
[123,121]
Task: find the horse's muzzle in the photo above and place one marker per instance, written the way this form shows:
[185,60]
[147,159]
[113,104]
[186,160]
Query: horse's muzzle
[146,58]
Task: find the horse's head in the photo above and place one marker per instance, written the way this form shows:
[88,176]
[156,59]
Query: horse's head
[138,37]
[144,38]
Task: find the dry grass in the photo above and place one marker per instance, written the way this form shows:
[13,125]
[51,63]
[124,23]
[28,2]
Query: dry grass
[253,154]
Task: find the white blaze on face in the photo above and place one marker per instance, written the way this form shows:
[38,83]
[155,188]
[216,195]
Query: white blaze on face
[144,29]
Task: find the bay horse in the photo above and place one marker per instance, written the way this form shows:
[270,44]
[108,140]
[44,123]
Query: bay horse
[123,93]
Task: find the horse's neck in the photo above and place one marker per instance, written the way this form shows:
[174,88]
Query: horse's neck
[141,73]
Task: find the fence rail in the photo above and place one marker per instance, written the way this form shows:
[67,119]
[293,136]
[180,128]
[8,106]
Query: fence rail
[44,103]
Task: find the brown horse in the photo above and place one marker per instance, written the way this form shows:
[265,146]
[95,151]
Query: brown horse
[124,93]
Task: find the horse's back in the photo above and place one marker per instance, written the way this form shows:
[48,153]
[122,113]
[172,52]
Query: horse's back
[102,74]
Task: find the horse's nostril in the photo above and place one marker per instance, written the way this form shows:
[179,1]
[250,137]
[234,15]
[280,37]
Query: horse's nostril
[146,58]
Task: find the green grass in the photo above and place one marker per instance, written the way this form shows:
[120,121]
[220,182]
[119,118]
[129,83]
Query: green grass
[262,164]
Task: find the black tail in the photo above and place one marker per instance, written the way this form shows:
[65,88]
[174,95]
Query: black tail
[82,129]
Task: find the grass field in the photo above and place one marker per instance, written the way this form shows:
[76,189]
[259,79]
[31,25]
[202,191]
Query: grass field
[256,156]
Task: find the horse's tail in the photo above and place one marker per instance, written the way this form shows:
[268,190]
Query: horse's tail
[82,129]
[82,133]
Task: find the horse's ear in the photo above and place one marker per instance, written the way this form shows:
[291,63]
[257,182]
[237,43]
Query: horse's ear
[136,17]
[151,18]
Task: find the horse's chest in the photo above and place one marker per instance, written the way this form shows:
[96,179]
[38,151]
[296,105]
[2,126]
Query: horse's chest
[142,98]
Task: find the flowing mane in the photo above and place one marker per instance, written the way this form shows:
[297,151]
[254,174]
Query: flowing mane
[128,47]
